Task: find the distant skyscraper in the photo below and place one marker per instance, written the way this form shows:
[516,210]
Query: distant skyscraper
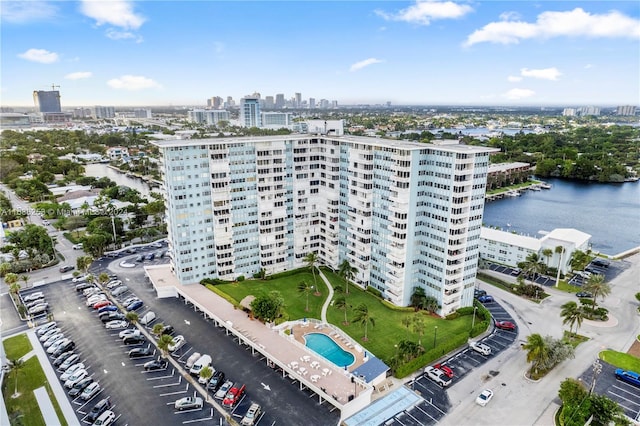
[47,100]
[569,112]
[298,100]
[279,101]
[589,110]
[104,111]
[250,112]
[626,110]
[312,103]
[269,102]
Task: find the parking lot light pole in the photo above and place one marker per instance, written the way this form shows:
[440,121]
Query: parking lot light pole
[473,321]
[435,335]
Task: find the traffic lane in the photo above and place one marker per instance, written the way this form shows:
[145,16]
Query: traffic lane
[276,395]
[626,395]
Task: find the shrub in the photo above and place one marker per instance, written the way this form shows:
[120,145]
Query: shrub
[374,291]
[240,278]
[588,302]
[427,357]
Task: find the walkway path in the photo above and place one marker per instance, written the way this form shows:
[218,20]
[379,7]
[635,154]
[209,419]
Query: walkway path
[323,314]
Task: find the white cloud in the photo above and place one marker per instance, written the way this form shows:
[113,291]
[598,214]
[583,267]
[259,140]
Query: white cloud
[574,23]
[133,82]
[19,12]
[423,12]
[114,34]
[514,78]
[359,65]
[515,94]
[543,74]
[118,13]
[39,55]
[509,16]
[78,75]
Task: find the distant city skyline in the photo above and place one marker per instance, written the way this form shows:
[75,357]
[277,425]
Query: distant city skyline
[125,53]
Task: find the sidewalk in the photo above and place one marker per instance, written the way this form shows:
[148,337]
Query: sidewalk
[61,396]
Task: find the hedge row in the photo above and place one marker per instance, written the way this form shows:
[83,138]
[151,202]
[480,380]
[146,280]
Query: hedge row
[430,355]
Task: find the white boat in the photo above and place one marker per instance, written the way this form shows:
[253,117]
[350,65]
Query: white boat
[545,185]
[513,194]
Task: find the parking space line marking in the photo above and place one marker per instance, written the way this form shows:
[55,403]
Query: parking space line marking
[626,399]
[198,420]
[170,384]
[158,378]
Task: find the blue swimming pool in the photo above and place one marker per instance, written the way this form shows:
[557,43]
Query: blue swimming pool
[325,346]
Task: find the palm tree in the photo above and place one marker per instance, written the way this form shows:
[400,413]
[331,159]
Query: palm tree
[347,272]
[418,298]
[559,250]
[311,260]
[206,374]
[547,253]
[10,279]
[597,286]
[25,279]
[5,268]
[571,315]
[363,316]
[16,365]
[306,289]
[431,304]
[537,350]
[132,317]
[341,303]
[418,325]
[103,278]
[164,342]
[157,328]
[532,266]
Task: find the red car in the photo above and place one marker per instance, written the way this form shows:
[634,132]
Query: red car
[233,396]
[446,370]
[505,325]
[101,304]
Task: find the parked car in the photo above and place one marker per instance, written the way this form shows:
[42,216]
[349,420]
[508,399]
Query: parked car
[584,294]
[33,296]
[156,364]
[61,358]
[140,352]
[155,245]
[445,369]
[67,362]
[102,406]
[188,402]
[139,258]
[484,397]
[119,290]
[133,340]
[112,316]
[101,304]
[79,386]
[80,278]
[105,419]
[628,376]
[55,345]
[485,299]
[437,376]
[64,347]
[481,348]
[66,268]
[216,381]
[75,378]
[233,396]
[166,329]
[95,299]
[48,326]
[204,361]
[50,332]
[134,306]
[107,308]
[222,392]
[192,360]
[90,391]
[77,246]
[505,325]
[52,339]
[39,309]
[477,293]
[147,318]
[601,263]
[113,284]
[251,415]
[129,332]
[116,324]
[177,343]
[82,286]
[33,303]
[69,371]
[130,300]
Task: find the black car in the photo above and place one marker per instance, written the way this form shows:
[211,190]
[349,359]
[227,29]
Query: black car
[601,263]
[140,352]
[61,358]
[79,387]
[133,340]
[67,347]
[479,293]
[216,381]
[584,294]
[102,406]
[156,364]
[167,329]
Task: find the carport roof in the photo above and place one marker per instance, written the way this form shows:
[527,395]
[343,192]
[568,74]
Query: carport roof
[384,408]
[371,369]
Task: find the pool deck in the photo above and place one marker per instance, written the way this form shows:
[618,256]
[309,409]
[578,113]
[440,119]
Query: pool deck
[345,342]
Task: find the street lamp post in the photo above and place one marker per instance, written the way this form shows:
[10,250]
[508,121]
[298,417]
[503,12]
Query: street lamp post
[473,320]
[435,335]
[597,369]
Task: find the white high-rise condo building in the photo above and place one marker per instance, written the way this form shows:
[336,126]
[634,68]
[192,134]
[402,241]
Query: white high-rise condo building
[250,112]
[404,214]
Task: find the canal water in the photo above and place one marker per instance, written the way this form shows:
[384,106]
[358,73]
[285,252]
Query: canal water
[610,213]
[99,170]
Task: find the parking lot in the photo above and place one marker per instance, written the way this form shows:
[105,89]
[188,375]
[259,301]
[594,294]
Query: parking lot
[626,395]
[436,402]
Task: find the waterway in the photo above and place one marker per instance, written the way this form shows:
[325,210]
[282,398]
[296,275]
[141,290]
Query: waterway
[610,213]
[99,170]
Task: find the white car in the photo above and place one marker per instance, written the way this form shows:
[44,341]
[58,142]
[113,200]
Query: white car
[79,278]
[48,326]
[50,332]
[481,348]
[51,349]
[437,376]
[128,332]
[51,340]
[95,299]
[116,324]
[188,402]
[222,392]
[114,284]
[177,343]
[75,378]
[38,309]
[33,296]
[105,419]
[484,397]
[69,371]
[90,391]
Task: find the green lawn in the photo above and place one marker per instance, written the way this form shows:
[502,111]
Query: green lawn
[17,346]
[25,407]
[565,286]
[621,360]
[382,337]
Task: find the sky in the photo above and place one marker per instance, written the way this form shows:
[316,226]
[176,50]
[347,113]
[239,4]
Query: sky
[180,53]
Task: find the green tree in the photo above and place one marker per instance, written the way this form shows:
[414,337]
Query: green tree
[157,328]
[5,268]
[103,278]
[10,279]
[547,253]
[206,374]
[267,307]
[132,317]
[341,303]
[606,411]
[418,324]
[311,259]
[537,351]
[597,286]
[418,298]
[532,266]
[83,263]
[16,365]
[363,316]
[576,405]
[164,341]
[306,289]
[347,272]
[572,314]
[25,280]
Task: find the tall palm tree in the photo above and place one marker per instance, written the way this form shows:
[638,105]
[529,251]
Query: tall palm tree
[132,317]
[547,253]
[572,314]
[532,266]
[418,326]
[306,289]
[5,268]
[418,298]
[341,303]
[10,279]
[164,342]
[157,328]
[103,278]
[559,250]
[347,272]
[363,316]
[311,260]
[25,279]
[15,366]
[537,350]
[597,286]
[206,374]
